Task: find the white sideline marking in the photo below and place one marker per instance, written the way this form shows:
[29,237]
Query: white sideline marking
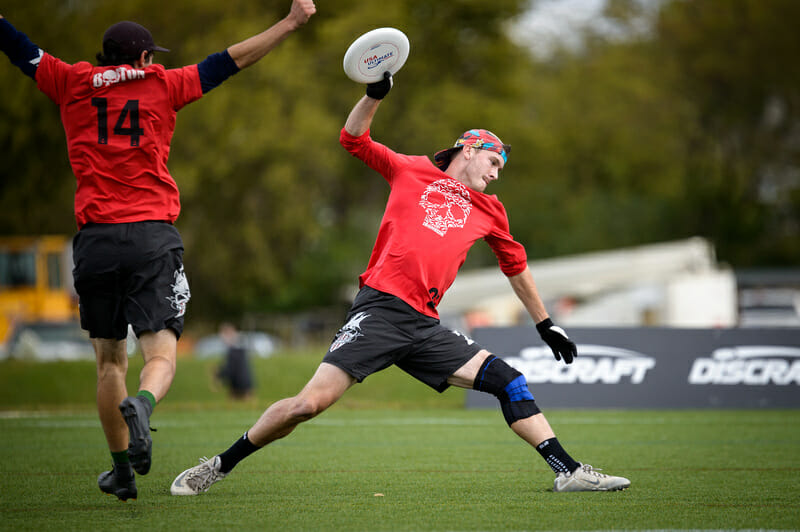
[401,422]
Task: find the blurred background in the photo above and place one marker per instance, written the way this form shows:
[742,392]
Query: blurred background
[654,177]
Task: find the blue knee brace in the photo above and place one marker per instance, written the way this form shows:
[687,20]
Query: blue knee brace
[509,386]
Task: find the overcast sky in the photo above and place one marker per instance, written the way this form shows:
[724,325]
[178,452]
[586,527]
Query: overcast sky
[553,22]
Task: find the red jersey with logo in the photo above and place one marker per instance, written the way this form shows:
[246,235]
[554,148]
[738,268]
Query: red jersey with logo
[430,223]
[119,122]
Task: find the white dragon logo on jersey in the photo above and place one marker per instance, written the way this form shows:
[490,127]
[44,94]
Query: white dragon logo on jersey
[447,204]
[350,331]
[181,293]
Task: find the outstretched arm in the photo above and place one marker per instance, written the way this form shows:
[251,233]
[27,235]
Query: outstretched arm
[251,50]
[361,116]
[20,50]
[553,335]
[218,67]
[525,288]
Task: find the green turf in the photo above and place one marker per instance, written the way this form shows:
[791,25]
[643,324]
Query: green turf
[436,468]
[71,385]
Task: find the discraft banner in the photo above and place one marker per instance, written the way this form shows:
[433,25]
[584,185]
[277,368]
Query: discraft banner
[653,367]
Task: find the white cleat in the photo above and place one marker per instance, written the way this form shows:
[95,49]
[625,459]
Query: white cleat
[199,478]
[586,478]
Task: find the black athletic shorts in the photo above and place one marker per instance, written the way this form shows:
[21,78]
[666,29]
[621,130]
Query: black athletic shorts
[382,330]
[130,273]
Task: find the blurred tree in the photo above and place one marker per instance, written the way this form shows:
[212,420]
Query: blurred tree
[601,164]
[36,183]
[736,64]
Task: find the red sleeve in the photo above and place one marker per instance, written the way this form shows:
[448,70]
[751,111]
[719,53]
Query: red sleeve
[510,254]
[184,86]
[52,77]
[374,154]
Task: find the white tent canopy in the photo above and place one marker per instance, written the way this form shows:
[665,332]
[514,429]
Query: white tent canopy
[674,283]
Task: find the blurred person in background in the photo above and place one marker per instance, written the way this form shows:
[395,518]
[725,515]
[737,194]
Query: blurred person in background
[235,371]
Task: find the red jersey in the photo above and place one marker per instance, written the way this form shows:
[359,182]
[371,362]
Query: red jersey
[119,122]
[430,223]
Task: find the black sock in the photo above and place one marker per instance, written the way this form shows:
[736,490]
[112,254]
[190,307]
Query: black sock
[241,449]
[556,457]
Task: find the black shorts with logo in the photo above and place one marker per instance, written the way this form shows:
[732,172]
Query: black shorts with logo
[382,330]
[130,273]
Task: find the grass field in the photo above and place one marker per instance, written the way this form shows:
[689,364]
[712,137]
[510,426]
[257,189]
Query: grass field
[392,456]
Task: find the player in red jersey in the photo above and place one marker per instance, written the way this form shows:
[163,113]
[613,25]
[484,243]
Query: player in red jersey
[119,117]
[435,212]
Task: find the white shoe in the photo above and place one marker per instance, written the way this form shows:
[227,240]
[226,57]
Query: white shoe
[587,478]
[198,478]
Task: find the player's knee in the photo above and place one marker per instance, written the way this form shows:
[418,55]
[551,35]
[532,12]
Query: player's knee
[304,408]
[111,370]
[509,386]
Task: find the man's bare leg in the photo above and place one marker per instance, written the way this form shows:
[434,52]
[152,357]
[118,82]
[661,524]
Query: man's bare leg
[112,367]
[327,385]
[159,350]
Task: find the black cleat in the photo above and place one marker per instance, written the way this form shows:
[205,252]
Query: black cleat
[140,444]
[120,481]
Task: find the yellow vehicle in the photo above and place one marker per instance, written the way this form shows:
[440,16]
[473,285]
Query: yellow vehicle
[35,281]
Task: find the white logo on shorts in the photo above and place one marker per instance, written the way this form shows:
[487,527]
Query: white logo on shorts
[350,331]
[466,338]
[181,293]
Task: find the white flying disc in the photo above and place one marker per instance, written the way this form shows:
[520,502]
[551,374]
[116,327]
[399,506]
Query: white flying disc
[374,53]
